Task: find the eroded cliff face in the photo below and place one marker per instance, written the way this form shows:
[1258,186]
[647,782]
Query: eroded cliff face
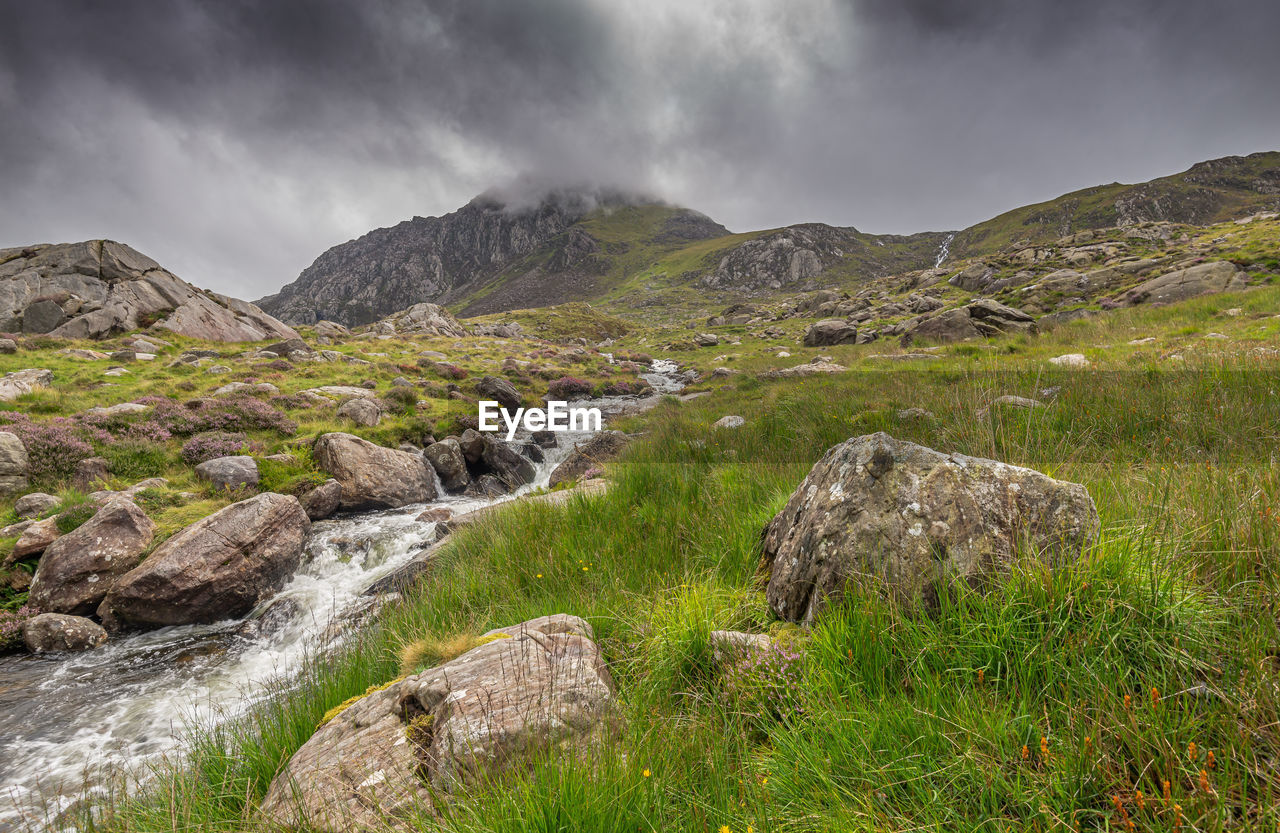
[99,288]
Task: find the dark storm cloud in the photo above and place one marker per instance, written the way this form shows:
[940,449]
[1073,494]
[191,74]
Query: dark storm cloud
[234,141]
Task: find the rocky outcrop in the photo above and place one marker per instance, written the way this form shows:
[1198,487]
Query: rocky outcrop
[1181,284]
[980,319]
[100,288]
[904,519]
[217,568]
[373,477]
[54,632]
[79,568]
[13,464]
[423,320]
[378,761]
[20,382]
[587,455]
[830,331]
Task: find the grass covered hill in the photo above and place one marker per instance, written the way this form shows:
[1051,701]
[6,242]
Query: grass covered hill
[1133,689]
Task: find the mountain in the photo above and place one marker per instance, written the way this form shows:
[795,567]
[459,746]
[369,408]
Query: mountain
[99,288]
[500,253]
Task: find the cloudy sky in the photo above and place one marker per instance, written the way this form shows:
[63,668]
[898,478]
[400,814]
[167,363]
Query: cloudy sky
[234,141]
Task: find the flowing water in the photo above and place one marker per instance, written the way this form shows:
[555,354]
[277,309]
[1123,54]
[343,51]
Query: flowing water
[72,724]
[944,251]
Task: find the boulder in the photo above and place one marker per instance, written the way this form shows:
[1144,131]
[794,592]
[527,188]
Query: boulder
[500,390]
[472,443]
[1073,360]
[78,569]
[731,421]
[230,472]
[506,464]
[8,345]
[992,317]
[587,455]
[35,504]
[323,500]
[812,368]
[42,317]
[13,464]
[361,411]
[331,330]
[545,439]
[1179,285]
[706,339]
[421,319]
[523,689]
[50,632]
[446,458]
[218,568]
[34,539]
[906,519]
[373,477]
[89,473]
[1010,401]
[21,382]
[829,332]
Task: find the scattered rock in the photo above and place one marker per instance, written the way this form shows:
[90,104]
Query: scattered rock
[727,646]
[829,332]
[706,339]
[78,569]
[373,477]
[21,382]
[13,464]
[731,421]
[35,504]
[121,409]
[908,518]
[523,689]
[915,413]
[217,568]
[1074,360]
[89,473]
[361,411]
[230,472]
[1138,342]
[811,369]
[53,632]
[1010,401]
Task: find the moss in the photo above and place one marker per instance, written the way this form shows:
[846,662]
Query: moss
[350,701]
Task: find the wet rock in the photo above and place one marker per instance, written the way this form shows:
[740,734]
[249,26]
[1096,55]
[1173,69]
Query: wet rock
[79,568]
[449,463]
[507,464]
[230,472]
[487,485]
[217,568]
[907,519]
[55,632]
[527,687]
[362,411]
[323,500]
[13,464]
[373,477]
[545,439]
[434,516]
[587,455]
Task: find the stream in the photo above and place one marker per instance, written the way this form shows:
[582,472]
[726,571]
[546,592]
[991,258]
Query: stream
[72,725]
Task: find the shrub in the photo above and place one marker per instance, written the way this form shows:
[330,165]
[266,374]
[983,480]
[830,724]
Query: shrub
[403,398]
[213,444]
[450,371]
[233,413]
[69,520]
[53,447]
[289,478]
[136,459]
[569,387]
[624,388]
[11,627]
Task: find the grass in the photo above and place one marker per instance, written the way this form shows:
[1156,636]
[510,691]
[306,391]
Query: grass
[1056,701]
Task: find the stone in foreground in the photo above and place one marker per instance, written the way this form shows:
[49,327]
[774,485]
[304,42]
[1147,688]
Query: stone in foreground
[374,477]
[907,518]
[51,632]
[215,569]
[375,765]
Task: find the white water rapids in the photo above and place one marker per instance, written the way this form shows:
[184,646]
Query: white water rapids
[71,724]
[944,250]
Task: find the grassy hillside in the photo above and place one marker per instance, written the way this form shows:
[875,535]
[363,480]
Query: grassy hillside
[1135,689]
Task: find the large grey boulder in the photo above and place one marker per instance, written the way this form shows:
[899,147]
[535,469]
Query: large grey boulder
[217,568]
[587,455]
[499,390]
[35,504]
[21,382]
[379,761]
[99,288]
[1179,285]
[830,331]
[13,464]
[905,519]
[373,477]
[50,632]
[230,472]
[446,458]
[79,568]
[362,411]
